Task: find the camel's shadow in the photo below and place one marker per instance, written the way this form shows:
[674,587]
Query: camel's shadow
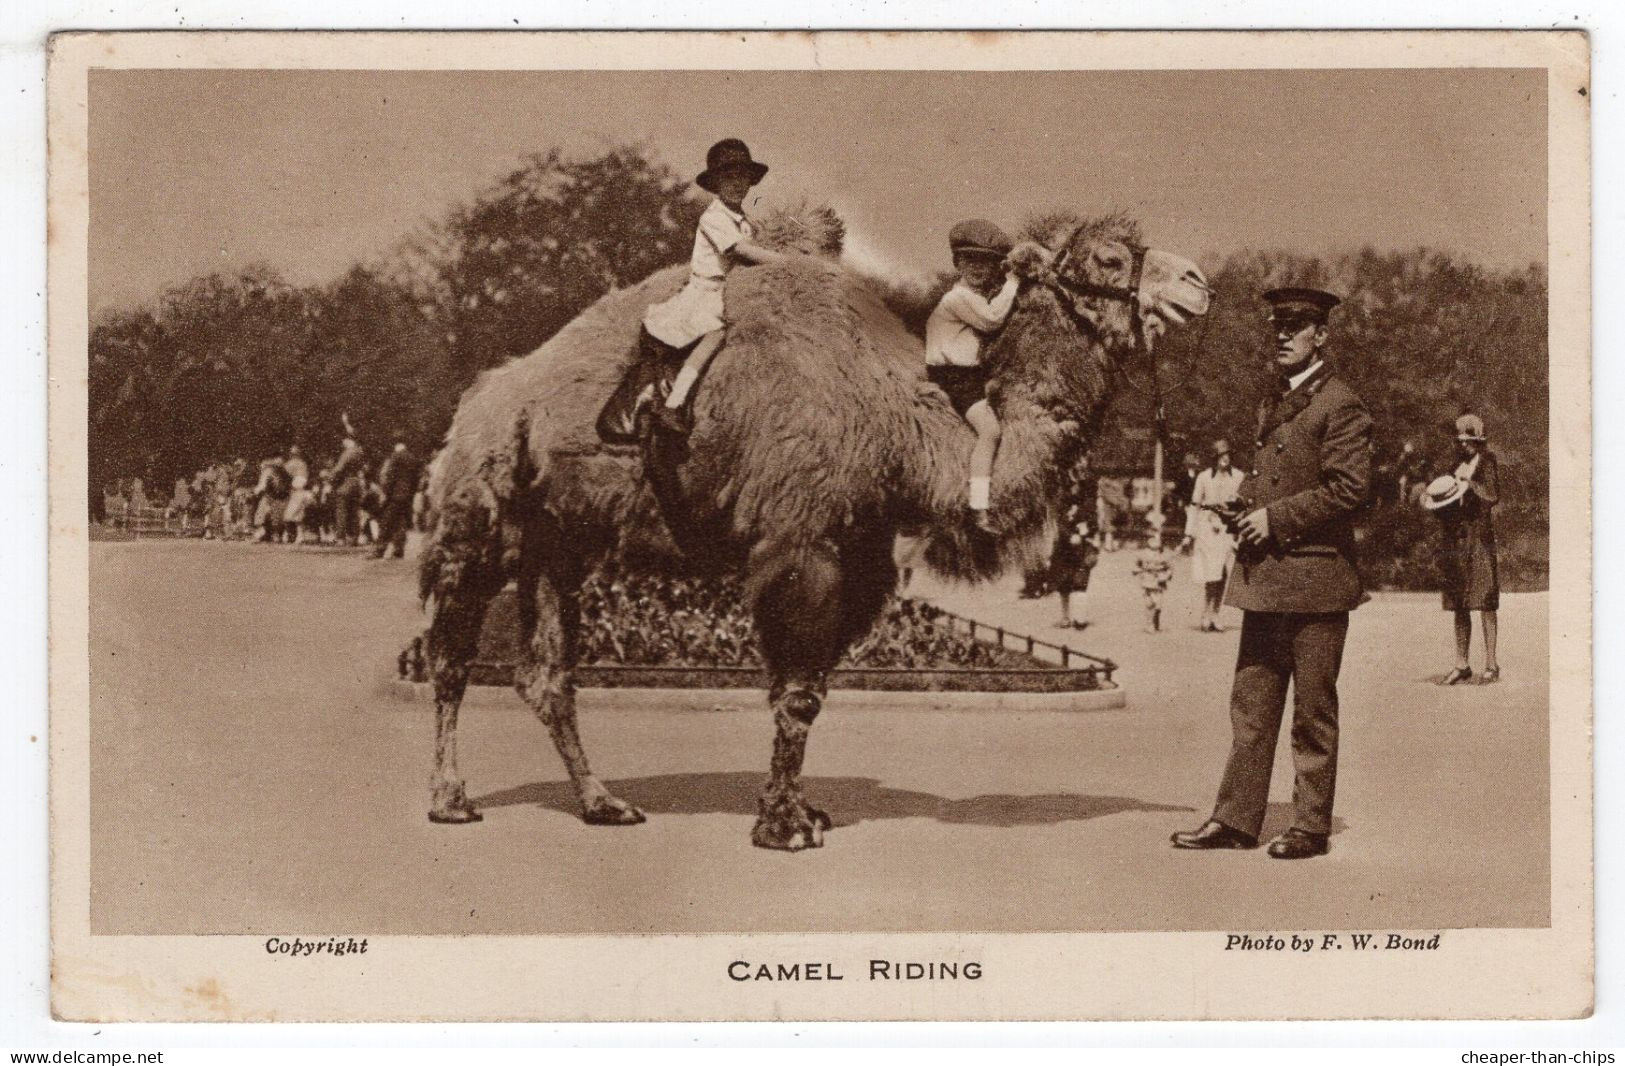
[849,800]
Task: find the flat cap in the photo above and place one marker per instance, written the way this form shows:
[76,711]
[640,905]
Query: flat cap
[979,235]
[1294,301]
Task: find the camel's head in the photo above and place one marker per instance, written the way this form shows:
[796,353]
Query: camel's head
[1107,275]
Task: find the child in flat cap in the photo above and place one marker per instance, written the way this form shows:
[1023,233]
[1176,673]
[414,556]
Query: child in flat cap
[724,238]
[978,304]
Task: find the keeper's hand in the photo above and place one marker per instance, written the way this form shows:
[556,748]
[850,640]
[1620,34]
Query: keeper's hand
[1254,528]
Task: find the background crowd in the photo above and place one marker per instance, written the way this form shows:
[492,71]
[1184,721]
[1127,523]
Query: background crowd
[345,500]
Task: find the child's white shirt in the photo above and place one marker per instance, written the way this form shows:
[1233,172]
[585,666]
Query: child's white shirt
[953,333]
[697,309]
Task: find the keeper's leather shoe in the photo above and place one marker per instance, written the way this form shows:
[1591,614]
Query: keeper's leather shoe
[1214,835]
[1298,844]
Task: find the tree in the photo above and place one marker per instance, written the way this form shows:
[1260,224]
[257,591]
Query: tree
[529,254]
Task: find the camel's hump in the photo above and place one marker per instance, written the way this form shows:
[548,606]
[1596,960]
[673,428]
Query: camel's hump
[807,310]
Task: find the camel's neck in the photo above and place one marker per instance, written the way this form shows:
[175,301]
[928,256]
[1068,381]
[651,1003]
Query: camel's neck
[1049,389]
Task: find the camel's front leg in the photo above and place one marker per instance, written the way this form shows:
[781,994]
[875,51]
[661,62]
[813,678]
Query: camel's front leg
[549,619]
[798,609]
[785,820]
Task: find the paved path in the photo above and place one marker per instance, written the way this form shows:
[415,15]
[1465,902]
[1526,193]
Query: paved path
[249,774]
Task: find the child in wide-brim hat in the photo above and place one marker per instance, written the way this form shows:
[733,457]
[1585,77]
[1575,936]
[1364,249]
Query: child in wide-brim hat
[977,305]
[723,240]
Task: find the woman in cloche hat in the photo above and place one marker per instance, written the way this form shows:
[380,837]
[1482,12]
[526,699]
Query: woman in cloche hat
[1462,502]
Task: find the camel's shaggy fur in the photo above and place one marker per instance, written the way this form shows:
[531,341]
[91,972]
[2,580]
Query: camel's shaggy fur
[867,436]
[816,439]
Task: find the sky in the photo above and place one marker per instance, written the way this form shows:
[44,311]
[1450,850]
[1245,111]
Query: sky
[312,171]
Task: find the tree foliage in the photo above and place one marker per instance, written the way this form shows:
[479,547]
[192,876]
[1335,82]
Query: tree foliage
[245,364]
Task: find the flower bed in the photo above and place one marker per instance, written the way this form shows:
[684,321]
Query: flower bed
[645,632]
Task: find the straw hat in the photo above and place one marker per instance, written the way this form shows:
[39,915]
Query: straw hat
[1469,427]
[1443,491]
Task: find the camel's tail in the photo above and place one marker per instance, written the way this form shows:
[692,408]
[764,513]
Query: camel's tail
[471,492]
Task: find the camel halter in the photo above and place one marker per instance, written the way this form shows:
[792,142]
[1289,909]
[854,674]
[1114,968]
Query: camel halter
[1129,294]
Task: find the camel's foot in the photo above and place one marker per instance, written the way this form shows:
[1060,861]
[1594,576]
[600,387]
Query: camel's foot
[788,823]
[450,806]
[598,807]
[607,810]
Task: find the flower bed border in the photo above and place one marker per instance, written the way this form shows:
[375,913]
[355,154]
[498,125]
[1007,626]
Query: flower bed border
[868,679]
[420,695]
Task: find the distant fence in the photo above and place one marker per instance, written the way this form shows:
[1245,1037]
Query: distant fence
[153,522]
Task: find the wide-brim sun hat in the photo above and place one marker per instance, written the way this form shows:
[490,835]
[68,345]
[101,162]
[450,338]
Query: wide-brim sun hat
[729,155]
[1443,491]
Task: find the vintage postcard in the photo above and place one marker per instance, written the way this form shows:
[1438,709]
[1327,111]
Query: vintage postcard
[729,526]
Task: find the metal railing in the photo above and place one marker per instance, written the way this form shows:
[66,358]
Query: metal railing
[1024,642]
[153,521]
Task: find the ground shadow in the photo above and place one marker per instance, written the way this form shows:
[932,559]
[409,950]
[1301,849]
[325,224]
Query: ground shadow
[1437,680]
[1278,816]
[848,800]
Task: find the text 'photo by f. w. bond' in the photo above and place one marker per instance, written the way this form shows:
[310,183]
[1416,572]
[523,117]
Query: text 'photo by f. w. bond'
[695,526]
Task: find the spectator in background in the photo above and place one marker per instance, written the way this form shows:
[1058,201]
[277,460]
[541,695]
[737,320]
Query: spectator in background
[1410,474]
[180,503]
[271,491]
[1183,489]
[372,507]
[1213,545]
[1154,570]
[420,503]
[298,469]
[243,481]
[115,505]
[319,512]
[349,487]
[299,494]
[1075,554]
[398,481]
[1462,501]
[138,497]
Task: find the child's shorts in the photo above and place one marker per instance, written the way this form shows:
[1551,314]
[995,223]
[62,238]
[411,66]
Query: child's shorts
[965,385]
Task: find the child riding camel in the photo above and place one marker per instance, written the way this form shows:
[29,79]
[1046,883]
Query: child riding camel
[976,305]
[724,238]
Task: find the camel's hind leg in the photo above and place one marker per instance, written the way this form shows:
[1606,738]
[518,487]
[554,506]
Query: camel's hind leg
[453,640]
[797,607]
[550,618]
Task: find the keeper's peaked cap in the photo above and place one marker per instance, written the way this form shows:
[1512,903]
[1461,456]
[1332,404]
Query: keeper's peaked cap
[1297,302]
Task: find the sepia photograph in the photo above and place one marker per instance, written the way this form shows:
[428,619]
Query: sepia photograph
[833,526]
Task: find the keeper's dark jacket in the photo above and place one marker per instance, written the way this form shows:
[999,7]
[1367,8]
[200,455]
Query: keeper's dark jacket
[1312,473]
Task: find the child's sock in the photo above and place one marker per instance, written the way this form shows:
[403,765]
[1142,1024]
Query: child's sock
[679,387]
[979,493]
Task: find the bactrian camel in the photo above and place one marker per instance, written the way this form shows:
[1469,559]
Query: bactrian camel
[816,439]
